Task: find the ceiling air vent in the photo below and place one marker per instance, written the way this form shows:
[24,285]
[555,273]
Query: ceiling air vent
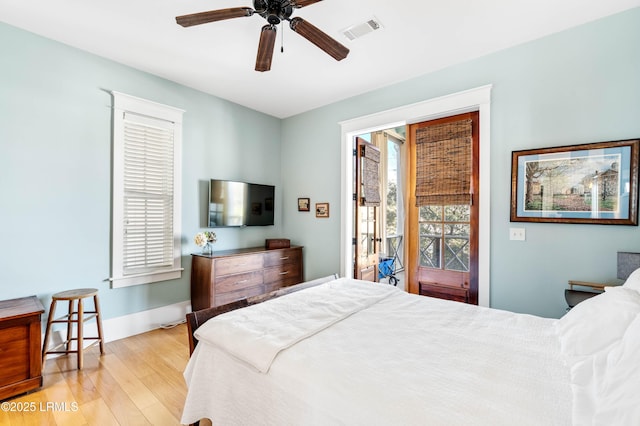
[358,30]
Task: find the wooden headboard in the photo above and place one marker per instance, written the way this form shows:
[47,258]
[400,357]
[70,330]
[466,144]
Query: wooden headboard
[197,318]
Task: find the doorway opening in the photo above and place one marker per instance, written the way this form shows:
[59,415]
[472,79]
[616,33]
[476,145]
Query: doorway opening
[477,99]
[379,231]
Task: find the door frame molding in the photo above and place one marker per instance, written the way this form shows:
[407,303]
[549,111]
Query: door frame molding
[476,99]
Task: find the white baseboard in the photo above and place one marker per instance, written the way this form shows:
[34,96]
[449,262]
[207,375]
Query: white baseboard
[141,322]
[128,325]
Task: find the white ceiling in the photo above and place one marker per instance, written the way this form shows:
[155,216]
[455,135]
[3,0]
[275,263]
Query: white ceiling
[419,36]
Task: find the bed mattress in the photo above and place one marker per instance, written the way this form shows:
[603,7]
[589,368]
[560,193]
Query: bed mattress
[392,359]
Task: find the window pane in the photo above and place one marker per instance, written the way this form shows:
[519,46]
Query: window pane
[456,253]
[431,230]
[430,213]
[459,229]
[460,213]
[430,252]
[430,245]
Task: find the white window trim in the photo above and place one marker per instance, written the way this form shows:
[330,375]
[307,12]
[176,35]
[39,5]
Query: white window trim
[122,104]
[477,99]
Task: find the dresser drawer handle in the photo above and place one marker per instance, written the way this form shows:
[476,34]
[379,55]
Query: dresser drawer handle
[284,258]
[241,281]
[284,273]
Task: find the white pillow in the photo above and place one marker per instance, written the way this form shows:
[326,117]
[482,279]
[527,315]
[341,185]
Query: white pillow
[597,322]
[618,382]
[633,281]
[605,385]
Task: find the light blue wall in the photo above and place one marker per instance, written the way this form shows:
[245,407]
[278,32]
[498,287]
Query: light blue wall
[578,86]
[55,169]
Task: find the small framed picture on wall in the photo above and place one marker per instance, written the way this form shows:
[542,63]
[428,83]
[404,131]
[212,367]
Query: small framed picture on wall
[322,209]
[304,204]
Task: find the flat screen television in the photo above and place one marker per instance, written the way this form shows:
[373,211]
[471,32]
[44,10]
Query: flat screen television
[234,203]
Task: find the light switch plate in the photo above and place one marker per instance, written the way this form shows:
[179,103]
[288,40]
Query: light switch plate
[517,234]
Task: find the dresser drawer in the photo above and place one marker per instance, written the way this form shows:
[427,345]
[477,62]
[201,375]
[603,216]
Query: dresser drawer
[236,282]
[280,257]
[232,296]
[289,272]
[238,264]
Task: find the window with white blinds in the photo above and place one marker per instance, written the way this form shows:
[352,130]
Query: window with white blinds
[146,199]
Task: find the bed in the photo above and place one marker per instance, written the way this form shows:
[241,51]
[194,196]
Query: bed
[347,352]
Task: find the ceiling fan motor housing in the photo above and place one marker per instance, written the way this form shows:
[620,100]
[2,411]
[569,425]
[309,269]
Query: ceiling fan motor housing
[273,11]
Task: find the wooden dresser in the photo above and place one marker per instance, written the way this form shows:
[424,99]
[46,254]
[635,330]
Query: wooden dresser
[20,352]
[230,275]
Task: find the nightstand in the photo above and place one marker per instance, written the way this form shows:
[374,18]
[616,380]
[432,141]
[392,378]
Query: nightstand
[573,296]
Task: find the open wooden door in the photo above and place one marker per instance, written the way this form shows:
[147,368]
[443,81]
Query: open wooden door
[366,210]
[443,224]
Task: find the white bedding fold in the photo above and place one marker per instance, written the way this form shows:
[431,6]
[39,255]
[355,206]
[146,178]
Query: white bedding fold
[404,360]
[258,333]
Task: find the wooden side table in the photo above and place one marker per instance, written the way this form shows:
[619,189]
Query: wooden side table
[595,286]
[574,296]
[20,356]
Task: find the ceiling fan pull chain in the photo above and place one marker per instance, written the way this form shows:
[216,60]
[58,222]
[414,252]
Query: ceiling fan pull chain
[281,38]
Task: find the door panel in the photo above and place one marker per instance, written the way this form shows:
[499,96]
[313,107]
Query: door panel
[443,239]
[367,231]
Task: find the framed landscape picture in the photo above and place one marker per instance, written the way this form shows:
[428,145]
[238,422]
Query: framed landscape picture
[589,183]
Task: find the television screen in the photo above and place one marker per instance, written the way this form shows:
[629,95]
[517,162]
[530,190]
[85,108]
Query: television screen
[240,204]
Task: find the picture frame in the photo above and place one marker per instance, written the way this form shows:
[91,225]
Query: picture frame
[304,204]
[595,183]
[322,209]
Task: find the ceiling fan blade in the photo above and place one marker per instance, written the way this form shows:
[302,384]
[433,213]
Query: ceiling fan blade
[319,38]
[213,15]
[265,48]
[302,3]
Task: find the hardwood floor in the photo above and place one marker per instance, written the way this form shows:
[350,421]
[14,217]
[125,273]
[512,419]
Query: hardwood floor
[138,381]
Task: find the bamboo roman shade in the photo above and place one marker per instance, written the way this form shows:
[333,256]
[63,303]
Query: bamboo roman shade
[443,164]
[370,176]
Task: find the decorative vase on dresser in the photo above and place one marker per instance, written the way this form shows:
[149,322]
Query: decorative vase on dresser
[229,275]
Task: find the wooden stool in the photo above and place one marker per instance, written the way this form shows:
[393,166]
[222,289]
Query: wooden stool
[78,316]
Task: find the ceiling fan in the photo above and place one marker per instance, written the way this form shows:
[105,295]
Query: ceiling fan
[274,11]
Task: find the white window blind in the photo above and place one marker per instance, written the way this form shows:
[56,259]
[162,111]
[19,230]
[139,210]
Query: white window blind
[146,201]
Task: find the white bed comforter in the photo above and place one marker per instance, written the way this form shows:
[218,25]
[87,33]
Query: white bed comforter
[391,358]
